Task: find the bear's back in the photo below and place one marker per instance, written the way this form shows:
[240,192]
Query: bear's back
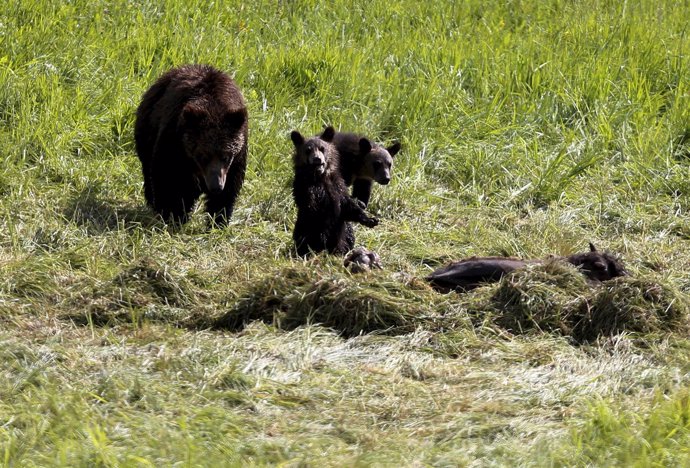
[349,157]
[212,89]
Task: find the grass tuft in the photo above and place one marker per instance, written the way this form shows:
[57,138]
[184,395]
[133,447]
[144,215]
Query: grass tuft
[556,297]
[542,297]
[144,290]
[295,296]
[615,436]
[634,305]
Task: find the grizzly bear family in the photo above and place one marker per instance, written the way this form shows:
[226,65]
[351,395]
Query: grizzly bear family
[191,138]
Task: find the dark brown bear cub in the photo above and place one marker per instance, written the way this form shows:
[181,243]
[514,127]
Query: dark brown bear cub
[362,163]
[323,204]
[471,273]
[191,138]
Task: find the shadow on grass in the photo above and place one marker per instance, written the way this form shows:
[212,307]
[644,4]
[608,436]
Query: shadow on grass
[350,305]
[148,290]
[98,215]
[145,290]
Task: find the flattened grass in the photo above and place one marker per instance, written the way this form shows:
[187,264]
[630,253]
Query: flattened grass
[639,305]
[528,129]
[542,297]
[144,291]
[349,304]
[549,297]
[555,297]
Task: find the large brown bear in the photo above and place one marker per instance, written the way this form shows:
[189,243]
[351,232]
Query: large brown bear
[191,138]
[362,163]
[324,208]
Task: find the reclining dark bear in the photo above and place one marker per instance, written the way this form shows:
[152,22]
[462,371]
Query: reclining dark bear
[470,273]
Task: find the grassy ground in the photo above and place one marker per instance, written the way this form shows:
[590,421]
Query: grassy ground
[528,128]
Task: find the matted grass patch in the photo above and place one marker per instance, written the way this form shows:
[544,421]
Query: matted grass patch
[556,297]
[144,290]
[632,304]
[542,296]
[295,296]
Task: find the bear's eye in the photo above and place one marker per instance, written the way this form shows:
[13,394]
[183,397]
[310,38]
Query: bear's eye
[322,148]
[377,165]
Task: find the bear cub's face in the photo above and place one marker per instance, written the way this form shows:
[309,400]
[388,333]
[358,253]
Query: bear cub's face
[598,266]
[378,161]
[212,142]
[314,153]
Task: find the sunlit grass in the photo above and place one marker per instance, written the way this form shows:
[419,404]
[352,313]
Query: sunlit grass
[528,129]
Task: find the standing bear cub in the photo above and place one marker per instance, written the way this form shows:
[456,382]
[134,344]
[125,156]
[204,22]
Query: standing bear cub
[323,204]
[362,163]
[191,138]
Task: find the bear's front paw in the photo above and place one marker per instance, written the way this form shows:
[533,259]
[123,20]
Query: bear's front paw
[360,203]
[371,222]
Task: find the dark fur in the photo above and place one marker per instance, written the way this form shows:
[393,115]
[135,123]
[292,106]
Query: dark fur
[598,266]
[472,272]
[363,163]
[191,138]
[323,204]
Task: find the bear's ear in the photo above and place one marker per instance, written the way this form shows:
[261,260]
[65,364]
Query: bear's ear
[235,119]
[328,134]
[192,115]
[592,248]
[297,138]
[394,149]
[364,146]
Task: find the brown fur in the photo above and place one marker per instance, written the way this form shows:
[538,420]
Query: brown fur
[362,163]
[191,138]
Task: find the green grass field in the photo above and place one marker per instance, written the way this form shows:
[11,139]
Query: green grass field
[528,128]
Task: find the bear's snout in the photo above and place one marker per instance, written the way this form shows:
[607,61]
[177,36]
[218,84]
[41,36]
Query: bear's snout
[317,160]
[216,184]
[215,181]
[383,179]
